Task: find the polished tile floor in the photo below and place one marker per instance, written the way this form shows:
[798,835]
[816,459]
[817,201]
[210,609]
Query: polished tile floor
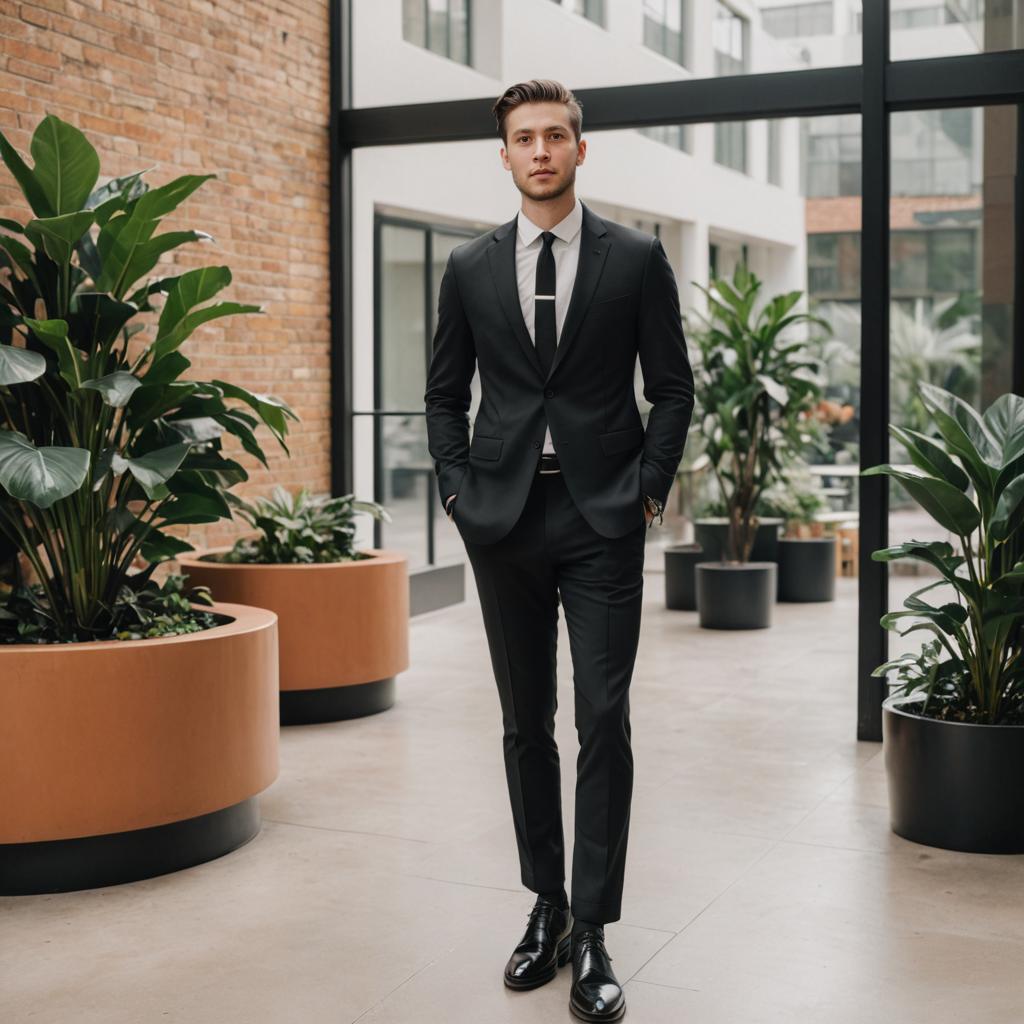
[763,883]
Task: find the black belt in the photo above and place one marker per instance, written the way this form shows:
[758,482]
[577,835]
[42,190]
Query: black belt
[548,464]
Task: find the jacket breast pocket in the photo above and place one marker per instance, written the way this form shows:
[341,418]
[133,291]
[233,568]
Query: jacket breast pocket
[617,441]
[624,297]
[482,447]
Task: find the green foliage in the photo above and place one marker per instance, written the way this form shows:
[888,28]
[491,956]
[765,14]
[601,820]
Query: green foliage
[104,444]
[141,609]
[757,390]
[795,496]
[970,479]
[300,529]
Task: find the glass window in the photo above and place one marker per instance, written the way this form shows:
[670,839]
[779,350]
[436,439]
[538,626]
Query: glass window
[932,152]
[813,19]
[411,261]
[676,136]
[592,10]
[833,265]
[729,35]
[952,273]
[774,169]
[731,144]
[936,29]
[663,28]
[441,26]
[832,155]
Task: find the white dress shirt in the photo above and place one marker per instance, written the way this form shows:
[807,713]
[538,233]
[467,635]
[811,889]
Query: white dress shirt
[566,251]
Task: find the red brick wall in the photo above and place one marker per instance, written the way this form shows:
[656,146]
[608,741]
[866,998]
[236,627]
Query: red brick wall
[198,87]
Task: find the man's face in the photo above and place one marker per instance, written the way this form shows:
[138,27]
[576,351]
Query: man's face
[541,151]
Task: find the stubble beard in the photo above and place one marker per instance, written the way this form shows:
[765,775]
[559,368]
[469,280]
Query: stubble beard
[543,197]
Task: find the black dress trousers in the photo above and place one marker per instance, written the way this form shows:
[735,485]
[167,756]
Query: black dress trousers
[550,553]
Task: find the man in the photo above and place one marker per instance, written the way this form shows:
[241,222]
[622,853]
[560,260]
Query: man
[553,497]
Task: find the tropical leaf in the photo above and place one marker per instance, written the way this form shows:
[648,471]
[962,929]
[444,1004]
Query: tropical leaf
[41,476]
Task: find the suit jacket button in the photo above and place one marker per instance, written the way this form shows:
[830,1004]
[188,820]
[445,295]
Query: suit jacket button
[549,393]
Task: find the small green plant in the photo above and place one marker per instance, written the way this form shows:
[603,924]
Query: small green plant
[300,529]
[970,479]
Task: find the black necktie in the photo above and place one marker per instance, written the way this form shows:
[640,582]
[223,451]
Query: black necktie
[544,330]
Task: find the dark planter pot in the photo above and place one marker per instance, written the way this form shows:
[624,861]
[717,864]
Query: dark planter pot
[807,569]
[712,534]
[953,785]
[736,596]
[680,588]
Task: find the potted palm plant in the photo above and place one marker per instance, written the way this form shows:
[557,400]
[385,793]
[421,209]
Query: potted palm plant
[343,614]
[136,726]
[757,389]
[953,723]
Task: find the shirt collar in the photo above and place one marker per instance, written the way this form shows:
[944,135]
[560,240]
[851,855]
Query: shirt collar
[566,229]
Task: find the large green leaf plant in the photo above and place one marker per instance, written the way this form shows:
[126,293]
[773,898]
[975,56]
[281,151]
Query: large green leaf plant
[969,477]
[103,443]
[757,388]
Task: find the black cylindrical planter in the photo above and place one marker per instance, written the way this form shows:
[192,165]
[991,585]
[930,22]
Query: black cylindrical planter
[952,784]
[807,568]
[712,534]
[680,589]
[737,596]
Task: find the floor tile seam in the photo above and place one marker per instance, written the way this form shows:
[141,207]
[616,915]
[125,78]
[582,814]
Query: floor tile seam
[813,810]
[455,881]
[661,984]
[714,899]
[349,831]
[400,985]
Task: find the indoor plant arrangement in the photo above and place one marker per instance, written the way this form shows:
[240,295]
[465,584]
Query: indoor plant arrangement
[953,725]
[343,614]
[104,447]
[806,554]
[757,391]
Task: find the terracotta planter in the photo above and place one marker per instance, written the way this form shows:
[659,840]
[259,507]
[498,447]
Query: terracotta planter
[344,628]
[122,760]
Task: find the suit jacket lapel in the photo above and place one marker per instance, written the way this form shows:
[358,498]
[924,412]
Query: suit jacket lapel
[502,258]
[594,246]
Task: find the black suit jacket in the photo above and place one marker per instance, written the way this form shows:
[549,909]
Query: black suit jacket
[624,302]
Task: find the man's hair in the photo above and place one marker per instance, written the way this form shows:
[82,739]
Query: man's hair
[538,90]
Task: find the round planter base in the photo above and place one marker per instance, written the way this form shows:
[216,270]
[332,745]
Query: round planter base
[951,784]
[735,596]
[67,865]
[680,587]
[807,569]
[336,703]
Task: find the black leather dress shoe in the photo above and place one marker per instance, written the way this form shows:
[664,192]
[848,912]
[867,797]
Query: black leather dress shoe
[543,948]
[595,994]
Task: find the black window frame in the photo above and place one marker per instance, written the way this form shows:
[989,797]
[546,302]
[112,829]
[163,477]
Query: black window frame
[875,89]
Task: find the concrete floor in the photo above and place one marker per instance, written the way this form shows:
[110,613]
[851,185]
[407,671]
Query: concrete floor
[762,885]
